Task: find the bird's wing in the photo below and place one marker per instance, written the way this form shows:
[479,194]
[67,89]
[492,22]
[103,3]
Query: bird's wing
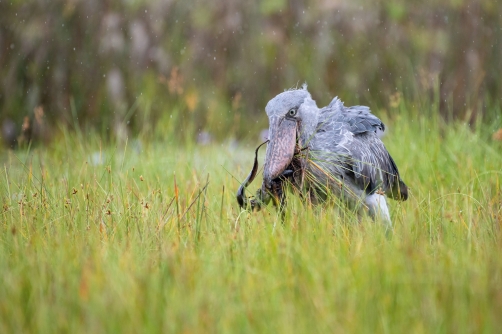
[373,168]
[357,119]
[353,135]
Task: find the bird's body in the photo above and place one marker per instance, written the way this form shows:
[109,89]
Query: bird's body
[335,149]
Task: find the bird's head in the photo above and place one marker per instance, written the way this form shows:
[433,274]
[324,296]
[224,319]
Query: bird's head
[292,118]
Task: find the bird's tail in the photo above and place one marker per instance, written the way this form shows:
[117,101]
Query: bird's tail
[398,191]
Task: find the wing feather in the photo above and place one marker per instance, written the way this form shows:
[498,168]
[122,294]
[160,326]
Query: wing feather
[358,119]
[353,134]
[374,168]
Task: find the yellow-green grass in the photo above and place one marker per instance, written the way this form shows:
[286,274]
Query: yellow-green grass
[94,239]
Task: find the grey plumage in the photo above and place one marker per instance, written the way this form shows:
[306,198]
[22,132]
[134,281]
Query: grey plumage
[338,148]
[350,136]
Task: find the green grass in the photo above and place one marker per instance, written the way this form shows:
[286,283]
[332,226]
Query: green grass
[90,248]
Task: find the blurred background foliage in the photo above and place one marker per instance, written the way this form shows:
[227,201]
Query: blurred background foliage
[182,68]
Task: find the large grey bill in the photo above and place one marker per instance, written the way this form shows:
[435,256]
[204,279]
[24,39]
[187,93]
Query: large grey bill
[280,150]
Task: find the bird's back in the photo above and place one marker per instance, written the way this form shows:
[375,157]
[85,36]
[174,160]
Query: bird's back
[347,143]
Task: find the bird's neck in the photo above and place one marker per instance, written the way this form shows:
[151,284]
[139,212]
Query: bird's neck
[307,130]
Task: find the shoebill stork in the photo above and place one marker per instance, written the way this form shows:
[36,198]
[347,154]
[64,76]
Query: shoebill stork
[333,150]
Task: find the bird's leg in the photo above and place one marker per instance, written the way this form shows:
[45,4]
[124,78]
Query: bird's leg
[378,209]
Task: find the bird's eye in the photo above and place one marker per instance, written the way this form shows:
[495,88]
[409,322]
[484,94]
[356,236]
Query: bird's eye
[292,112]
